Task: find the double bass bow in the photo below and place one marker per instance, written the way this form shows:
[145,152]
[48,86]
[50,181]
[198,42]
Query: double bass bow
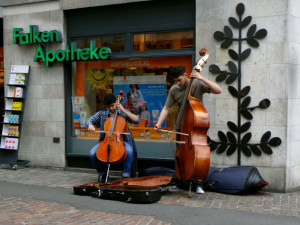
[112,149]
[192,159]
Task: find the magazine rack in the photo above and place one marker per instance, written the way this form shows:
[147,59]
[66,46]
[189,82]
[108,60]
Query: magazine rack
[13,116]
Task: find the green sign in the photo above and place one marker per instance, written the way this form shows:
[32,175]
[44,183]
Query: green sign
[69,54]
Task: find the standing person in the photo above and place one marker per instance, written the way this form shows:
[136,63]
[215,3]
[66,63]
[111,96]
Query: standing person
[136,93]
[200,86]
[145,114]
[98,119]
[130,105]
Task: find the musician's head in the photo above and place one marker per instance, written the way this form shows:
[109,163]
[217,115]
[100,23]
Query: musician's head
[110,102]
[179,76]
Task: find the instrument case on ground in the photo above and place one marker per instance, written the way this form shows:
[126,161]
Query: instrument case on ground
[136,190]
[234,180]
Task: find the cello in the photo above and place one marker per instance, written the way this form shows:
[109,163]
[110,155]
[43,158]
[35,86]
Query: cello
[192,158]
[112,149]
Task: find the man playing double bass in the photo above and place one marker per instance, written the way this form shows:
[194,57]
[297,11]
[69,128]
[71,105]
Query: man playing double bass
[200,86]
[98,119]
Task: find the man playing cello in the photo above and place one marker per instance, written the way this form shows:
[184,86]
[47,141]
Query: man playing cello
[200,86]
[98,119]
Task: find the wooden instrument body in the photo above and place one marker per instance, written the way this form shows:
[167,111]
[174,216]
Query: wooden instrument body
[194,156]
[111,151]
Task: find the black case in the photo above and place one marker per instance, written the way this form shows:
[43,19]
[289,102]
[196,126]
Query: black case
[234,180]
[135,194]
[137,189]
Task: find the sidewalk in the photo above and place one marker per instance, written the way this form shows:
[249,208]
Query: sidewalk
[262,203]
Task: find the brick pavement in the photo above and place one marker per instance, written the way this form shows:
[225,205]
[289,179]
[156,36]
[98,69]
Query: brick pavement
[264,202]
[29,211]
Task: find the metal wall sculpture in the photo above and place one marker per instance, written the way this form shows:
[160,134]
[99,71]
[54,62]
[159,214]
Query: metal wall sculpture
[239,136]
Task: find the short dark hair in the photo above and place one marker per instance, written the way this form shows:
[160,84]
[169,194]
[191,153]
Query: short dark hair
[177,71]
[109,99]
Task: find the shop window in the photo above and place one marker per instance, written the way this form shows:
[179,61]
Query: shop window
[163,40]
[145,78]
[115,43]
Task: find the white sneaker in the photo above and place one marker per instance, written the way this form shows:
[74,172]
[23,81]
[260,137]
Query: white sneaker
[199,190]
[126,175]
[174,188]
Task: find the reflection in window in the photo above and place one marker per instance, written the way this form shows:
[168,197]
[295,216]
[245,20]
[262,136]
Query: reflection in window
[92,80]
[115,43]
[163,40]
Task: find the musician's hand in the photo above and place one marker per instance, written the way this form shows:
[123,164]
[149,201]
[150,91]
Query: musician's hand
[196,75]
[157,127]
[91,128]
[120,107]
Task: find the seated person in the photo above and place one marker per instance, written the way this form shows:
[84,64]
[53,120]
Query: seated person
[98,119]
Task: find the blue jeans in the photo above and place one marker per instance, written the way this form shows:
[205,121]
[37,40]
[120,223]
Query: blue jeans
[101,167]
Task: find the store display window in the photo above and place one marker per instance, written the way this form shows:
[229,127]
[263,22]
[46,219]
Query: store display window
[163,40]
[116,43]
[144,81]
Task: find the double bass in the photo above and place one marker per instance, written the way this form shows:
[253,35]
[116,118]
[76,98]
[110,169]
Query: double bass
[192,158]
[112,149]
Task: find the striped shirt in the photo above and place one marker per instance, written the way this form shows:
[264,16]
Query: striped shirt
[99,118]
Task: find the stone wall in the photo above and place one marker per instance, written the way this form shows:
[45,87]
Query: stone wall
[293,94]
[270,71]
[44,116]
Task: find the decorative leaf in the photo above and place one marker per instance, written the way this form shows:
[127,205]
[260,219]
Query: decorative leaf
[246,150]
[266,149]
[231,78]
[246,21]
[222,148]
[251,31]
[276,141]
[245,54]
[246,138]
[221,77]
[232,126]
[233,54]
[247,114]
[240,9]
[231,150]
[222,136]
[226,43]
[255,150]
[262,33]
[233,91]
[228,32]
[246,102]
[233,21]
[265,103]
[208,139]
[265,138]
[232,67]
[245,91]
[245,127]
[219,36]
[213,146]
[214,69]
[253,43]
[231,137]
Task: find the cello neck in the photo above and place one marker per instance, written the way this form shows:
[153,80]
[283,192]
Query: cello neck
[112,127]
